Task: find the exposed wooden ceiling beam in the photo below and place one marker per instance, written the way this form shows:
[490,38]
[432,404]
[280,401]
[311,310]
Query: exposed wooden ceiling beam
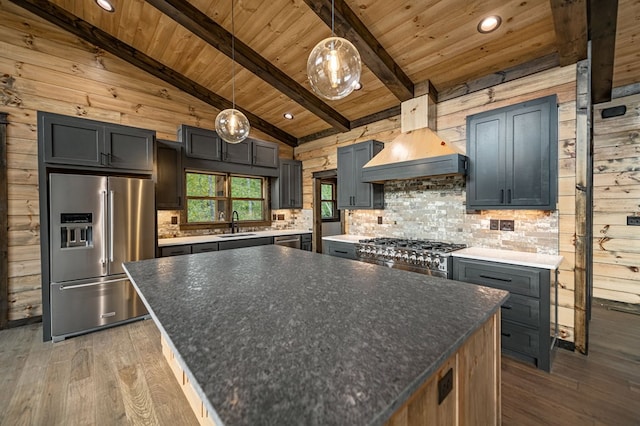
[105,41]
[603,17]
[349,26]
[213,33]
[570,22]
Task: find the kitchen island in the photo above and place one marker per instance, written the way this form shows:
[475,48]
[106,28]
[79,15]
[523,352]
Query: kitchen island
[273,335]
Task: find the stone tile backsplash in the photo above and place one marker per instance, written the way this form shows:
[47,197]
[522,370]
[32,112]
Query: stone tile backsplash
[435,209]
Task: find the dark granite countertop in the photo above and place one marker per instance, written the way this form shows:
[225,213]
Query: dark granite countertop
[273,335]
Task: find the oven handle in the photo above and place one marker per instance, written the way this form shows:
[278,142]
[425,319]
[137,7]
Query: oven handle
[71,287]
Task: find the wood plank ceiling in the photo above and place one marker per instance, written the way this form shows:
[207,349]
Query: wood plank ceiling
[402,42]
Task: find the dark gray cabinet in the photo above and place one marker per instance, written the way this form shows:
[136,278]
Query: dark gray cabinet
[200,143]
[250,242]
[205,144]
[286,189]
[526,329]
[339,249]
[305,242]
[170,184]
[82,142]
[353,193]
[513,157]
[175,250]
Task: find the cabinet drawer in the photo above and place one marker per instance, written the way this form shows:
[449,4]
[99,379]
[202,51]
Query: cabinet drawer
[175,250]
[522,309]
[204,247]
[515,279]
[305,238]
[346,250]
[520,339]
[233,244]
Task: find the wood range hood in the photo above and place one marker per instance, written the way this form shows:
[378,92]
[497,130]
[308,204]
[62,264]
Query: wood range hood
[418,151]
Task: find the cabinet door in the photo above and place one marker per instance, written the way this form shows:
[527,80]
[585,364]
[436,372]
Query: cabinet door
[71,140]
[346,173]
[233,244]
[129,148]
[265,154]
[486,151]
[201,143]
[295,184]
[239,153]
[362,153]
[530,176]
[175,250]
[169,188]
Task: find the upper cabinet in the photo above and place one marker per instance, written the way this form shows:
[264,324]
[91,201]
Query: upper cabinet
[513,157]
[170,185]
[286,191]
[81,142]
[353,193]
[207,145]
[200,143]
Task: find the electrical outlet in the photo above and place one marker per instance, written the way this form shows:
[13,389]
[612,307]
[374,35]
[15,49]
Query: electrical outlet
[174,220]
[445,386]
[274,217]
[506,225]
[494,224]
[633,220]
[379,220]
[280,217]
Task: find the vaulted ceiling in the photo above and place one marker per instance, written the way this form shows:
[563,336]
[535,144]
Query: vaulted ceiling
[403,43]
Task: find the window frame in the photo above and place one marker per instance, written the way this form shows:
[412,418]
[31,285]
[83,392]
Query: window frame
[334,200]
[185,224]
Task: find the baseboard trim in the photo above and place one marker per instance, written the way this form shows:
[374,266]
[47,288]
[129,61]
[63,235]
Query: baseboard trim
[24,321]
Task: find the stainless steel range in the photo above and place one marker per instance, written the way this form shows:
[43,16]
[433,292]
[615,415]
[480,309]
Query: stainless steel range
[426,257]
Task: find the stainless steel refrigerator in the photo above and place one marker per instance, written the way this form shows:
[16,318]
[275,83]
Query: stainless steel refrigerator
[95,224]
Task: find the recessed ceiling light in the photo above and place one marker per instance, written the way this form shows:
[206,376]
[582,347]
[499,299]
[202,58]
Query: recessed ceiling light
[357,86]
[288,116]
[489,24]
[106,5]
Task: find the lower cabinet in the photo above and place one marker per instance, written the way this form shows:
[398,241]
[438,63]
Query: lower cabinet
[339,249]
[262,241]
[175,250]
[305,242]
[526,325]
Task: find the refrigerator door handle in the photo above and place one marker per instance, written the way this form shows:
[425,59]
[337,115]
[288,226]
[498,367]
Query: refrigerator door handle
[71,287]
[103,258]
[111,208]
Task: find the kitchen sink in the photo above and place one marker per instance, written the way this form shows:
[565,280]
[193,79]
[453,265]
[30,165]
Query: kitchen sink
[234,235]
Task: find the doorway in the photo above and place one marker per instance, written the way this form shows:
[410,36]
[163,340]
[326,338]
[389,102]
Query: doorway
[327,219]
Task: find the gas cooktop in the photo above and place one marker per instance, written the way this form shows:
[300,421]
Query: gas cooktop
[409,244]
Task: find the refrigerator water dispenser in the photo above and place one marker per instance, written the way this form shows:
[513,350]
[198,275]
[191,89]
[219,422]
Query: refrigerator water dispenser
[76,230]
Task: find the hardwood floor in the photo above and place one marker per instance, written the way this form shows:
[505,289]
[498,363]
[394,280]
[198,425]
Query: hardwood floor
[118,376]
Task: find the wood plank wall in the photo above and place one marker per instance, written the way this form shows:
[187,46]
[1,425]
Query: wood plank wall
[451,125]
[43,68]
[616,195]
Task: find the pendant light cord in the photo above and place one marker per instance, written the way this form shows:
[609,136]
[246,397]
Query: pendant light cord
[332,17]
[233,59]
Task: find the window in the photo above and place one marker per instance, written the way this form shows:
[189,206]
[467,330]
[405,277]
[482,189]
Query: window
[212,197]
[328,204]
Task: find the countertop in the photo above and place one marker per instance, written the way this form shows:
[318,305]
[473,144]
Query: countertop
[536,260]
[165,242]
[346,238]
[275,335]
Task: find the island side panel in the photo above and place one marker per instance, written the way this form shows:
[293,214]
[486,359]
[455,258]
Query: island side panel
[475,397]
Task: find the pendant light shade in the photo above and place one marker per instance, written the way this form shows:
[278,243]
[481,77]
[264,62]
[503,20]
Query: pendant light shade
[334,68]
[232,125]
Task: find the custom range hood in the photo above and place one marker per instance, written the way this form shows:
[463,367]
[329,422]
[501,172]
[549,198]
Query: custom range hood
[418,151]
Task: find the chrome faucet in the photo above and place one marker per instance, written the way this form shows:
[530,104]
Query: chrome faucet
[234,222]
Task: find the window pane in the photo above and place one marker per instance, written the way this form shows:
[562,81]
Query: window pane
[206,210]
[248,210]
[246,187]
[327,210]
[204,185]
[326,191]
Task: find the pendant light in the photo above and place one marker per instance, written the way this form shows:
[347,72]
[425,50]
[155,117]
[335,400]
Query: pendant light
[232,125]
[334,66]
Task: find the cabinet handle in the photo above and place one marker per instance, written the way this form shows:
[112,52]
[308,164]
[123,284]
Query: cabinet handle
[341,252]
[508,196]
[179,200]
[506,307]
[502,196]
[506,334]
[506,280]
